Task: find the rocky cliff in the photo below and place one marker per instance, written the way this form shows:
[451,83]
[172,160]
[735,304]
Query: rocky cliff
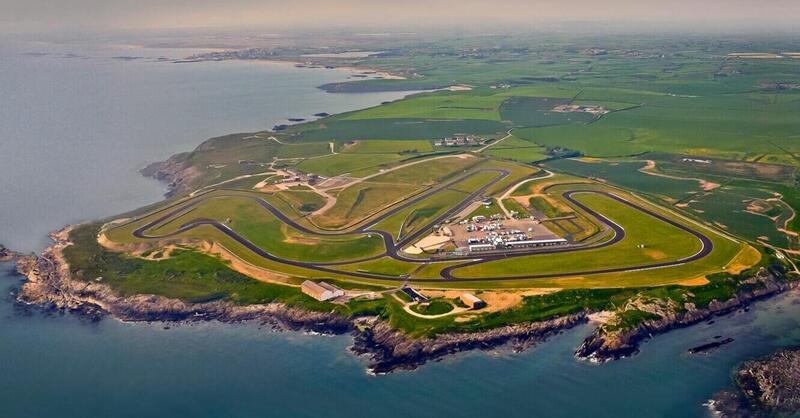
[50,284]
[609,342]
[389,349]
[177,172]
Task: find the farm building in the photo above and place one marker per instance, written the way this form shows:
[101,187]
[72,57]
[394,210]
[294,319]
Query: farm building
[321,291]
[472,301]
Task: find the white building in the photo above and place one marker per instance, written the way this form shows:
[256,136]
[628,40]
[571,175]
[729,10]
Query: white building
[536,243]
[481,247]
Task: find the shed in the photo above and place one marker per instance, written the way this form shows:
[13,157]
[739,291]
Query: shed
[472,301]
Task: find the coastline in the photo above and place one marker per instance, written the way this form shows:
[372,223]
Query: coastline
[50,285]
[298,62]
[357,73]
[410,81]
[606,343]
[372,73]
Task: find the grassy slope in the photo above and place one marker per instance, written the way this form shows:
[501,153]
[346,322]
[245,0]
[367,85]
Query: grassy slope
[517,149]
[377,146]
[337,164]
[411,217]
[365,199]
[362,200]
[437,106]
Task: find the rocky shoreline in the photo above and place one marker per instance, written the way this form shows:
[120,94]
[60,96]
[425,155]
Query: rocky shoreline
[764,387]
[607,343]
[175,171]
[389,349]
[50,285]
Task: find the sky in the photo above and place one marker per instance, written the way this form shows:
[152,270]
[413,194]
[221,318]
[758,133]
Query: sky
[58,15]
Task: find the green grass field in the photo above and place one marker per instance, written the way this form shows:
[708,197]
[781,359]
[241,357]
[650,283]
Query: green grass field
[354,164]
[627,174]
[698,126]
[445,105]
[410,219]
[360,201]
[396,129]
[547,209]
[435,307]
[385,147]
[516,149]
[728,207]
[538,111]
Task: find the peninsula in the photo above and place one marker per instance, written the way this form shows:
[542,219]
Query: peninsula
[527,190]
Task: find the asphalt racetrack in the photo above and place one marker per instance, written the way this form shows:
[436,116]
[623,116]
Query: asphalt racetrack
[393,247]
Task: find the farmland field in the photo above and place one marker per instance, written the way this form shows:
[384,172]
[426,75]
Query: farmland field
[385,147]
[337,164]
[518,150]
[628,174]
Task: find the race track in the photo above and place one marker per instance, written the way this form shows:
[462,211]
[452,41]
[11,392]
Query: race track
[392,247]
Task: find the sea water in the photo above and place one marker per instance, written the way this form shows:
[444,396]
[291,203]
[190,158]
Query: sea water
[75,128]
[77,122]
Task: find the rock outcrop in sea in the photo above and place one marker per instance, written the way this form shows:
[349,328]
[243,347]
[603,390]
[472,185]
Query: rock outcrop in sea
[764,387]
[6,254]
